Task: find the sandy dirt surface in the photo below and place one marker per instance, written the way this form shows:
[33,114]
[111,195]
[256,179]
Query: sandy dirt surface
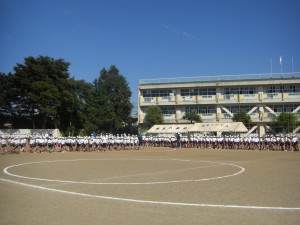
[151,186]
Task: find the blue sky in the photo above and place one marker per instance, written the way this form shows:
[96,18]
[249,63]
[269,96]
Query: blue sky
[153,39]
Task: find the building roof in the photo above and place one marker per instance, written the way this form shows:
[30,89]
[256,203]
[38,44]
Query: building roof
[236,127]
[220,78]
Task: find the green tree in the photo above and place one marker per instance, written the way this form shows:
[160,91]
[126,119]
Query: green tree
[287,121]
[242,116]
[41,90]
[74,120]
[193,116]
[111,106]
[154,115]
[6,111]
[4,100]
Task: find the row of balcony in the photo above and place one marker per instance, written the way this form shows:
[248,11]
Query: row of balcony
[259,97]
[225,117]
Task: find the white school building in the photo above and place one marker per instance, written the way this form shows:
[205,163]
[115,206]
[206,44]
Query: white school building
[217,98]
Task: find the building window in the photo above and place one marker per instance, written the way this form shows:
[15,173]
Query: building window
[185,92]
[198,91]
[201,109]
[240,90]
[207,91]
[282,89]
[157,93]
[283,108]
[168,110]
[237,108]
[194,92]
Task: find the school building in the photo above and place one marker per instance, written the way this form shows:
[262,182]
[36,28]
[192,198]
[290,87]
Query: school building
[217,98]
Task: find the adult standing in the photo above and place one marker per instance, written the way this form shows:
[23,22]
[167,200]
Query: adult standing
[178,138]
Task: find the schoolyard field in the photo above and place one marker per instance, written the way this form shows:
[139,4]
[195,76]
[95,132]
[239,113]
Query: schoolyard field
[151,186]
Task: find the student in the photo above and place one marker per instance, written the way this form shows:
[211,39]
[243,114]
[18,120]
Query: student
[3,145]
[140,142]
[295,143]
[178,137]
[282,143]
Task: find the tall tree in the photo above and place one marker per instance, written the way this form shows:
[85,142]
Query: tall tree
[42,88]
[193,116]
[6,111]
[77,98]
[154,115]
[85,117]
[42,92]
[242,116]
[111,105]
[286,121]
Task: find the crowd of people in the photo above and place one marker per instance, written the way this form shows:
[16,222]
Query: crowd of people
[47,143]
[268,142]
[104,142]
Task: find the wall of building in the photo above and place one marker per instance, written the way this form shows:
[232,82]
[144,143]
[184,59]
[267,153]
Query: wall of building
[217,101]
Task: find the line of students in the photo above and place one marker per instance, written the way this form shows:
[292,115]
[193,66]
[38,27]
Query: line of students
[268,142]
[45,143]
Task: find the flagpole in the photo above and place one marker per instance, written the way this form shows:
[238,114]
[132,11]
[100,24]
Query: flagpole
[280,61]
[271,67]
[292,65]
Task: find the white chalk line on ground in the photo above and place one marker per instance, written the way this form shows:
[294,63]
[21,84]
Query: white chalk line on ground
[144,201]
[151,202]
[142,174]
[128,183]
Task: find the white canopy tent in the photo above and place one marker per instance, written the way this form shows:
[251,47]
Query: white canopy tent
[169,128]
[234,127]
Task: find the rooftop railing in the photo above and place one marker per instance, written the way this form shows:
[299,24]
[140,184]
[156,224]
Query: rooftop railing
[265,76]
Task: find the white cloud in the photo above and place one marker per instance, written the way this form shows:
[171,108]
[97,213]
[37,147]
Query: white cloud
[88,28]
[180,32]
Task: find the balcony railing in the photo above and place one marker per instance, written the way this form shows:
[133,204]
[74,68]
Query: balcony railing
[206,97]
[253,115]
[228,96]
[294,95]
[169,116]
[273,96]
[266,76]
[225,97]
[166,99]
[250,96]
[272,115]
[187,98]
[149,99]
[227,116]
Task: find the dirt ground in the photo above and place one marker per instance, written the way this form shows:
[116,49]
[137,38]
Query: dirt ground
[152,186]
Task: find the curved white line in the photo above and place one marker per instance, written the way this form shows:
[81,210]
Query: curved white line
[242,169]
[152,202]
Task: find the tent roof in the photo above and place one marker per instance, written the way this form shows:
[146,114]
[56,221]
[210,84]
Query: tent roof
[169,129]
[219,127]
[198,128]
